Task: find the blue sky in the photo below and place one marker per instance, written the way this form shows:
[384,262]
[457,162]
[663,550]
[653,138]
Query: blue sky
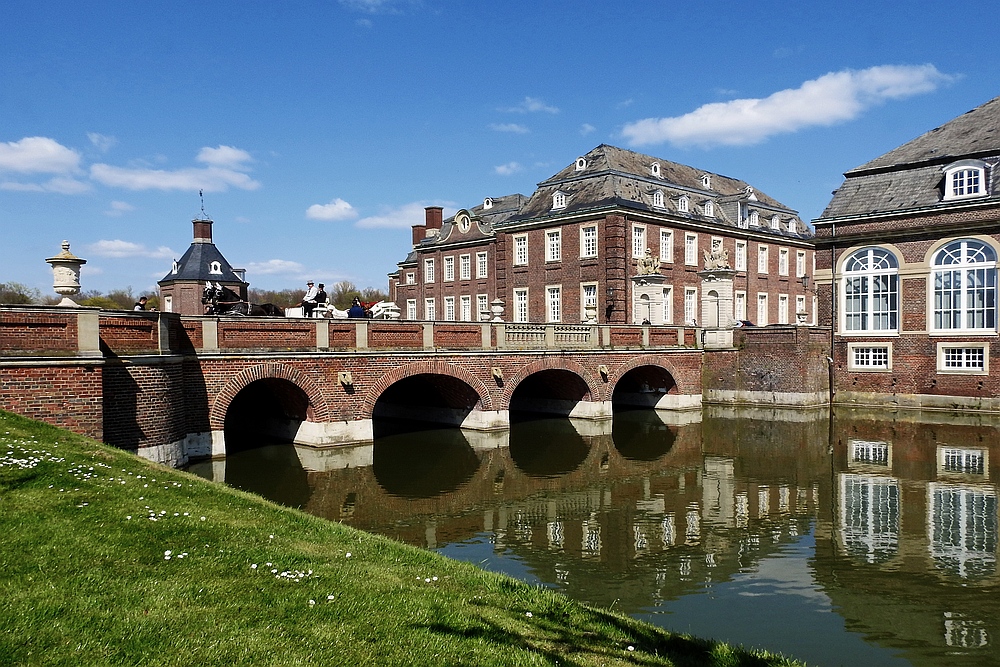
[320,130]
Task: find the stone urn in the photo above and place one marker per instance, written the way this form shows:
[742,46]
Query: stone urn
[590,313]
[66,274]
[800,317]
[496,307]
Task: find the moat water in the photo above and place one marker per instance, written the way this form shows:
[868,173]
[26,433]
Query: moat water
[862,539]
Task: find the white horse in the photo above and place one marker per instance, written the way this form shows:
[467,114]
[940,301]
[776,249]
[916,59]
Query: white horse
[381,310]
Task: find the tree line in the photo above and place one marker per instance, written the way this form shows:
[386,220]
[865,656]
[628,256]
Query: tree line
[340,294]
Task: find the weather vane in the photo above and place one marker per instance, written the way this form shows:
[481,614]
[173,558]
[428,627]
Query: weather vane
[201,195]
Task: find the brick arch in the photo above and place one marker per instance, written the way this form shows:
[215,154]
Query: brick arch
[549,364]
[437,367]
[217,414]
[617,373]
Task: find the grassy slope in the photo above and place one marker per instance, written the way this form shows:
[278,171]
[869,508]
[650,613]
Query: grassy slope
[85,580]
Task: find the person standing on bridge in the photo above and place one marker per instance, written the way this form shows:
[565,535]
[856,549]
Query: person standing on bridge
[140,304]
[309,300]
[357,310]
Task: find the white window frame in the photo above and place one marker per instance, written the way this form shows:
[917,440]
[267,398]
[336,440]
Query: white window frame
[520,249]
[658,199]
[411,278]
[465,308]
[690,249]
[762,309]
[709,208]
[762,258]
[520,309]
[800,263]
[965,180]
[558,200]
[638,241]
[691,306]
[430,309]
[449,309]
[588,241]
[668,304]
[429,270]
[783,309]
[553,303]
[684,204]
[553,245]
[168,303]
[483,307]
[411,309]
[754,218]
[741,257]
[585,298]
[775,222]
[966,270]
[782,261]
[482,265]
[740,305]
[449,269]
[465,267]
[874,357]
[869,292]
[667,246]
[800,305]
[960,358]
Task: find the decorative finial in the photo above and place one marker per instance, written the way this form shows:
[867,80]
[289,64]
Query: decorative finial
[201,195]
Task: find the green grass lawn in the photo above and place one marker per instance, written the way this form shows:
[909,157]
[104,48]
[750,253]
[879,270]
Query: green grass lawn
[106,559]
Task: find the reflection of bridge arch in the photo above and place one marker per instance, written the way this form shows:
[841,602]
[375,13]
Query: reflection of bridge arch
[444,368]
[551,381]
[317,409]
[649,381]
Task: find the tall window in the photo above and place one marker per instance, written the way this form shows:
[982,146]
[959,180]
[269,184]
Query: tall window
[691,249]
[658,199]
[521,250]
[449,308]
[709,209]
[521,304]
[559,200]
[482,307]
[691,306]
[411,278]
[800,304]
[465,306]
[666,246]
[965,286]
[741,259]
[588,298]
[782,261]
[411,309]
[430,311]
[553,303]
[638,241]
[683,205]
[871,291]
[449,269]
[782,309]
[762,309]
[762,259]
[668,305]
[740,305]
[481,265]
[588,241]
[465,267]
[429,271]
[553,245]
[800,263]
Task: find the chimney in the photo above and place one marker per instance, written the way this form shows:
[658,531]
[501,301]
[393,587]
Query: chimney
[418,233]
[202,231]
[432,216]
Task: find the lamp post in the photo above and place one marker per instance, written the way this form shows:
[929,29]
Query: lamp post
[66,274]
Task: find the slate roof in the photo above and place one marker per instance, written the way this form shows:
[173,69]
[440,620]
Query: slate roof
[195,265]
[911,177]
[483,221]
[618,177]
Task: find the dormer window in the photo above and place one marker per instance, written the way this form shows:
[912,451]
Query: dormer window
[965,179]
[706,181]
[658,199]
[488,203]
[775,222]
[176,267]
[793,225]
[215,267]
[754,218]
[749,193]
[581,164]
[654,169]
[684,204]
[559,199]
[463,222]
[709,209]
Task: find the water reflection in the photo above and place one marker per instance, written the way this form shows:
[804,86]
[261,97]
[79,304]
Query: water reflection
[868,539]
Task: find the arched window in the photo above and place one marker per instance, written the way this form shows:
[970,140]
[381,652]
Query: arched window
[965,286]
[559,200]
[684,204]
[965,179]
[871,291]
[658,199]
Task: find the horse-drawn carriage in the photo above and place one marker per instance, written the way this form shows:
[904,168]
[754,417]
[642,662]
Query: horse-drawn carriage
[220,300]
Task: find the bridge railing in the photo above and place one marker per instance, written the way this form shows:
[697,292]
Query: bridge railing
[88,332]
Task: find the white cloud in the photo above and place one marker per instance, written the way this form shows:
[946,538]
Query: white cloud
[117,208]
[275,267]
[64,185]
[832,98]
[224,156]
[507,169]
[102,142]
[509,127]
[586,129]
[38,155]
[337,209]
[117,248]
[402,217]
[209,179]
[532,105]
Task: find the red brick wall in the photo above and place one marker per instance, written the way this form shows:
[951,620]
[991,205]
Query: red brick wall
[773,359]
[36,331]
[393,335]
[130,334]
[275,334]
[66,395]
